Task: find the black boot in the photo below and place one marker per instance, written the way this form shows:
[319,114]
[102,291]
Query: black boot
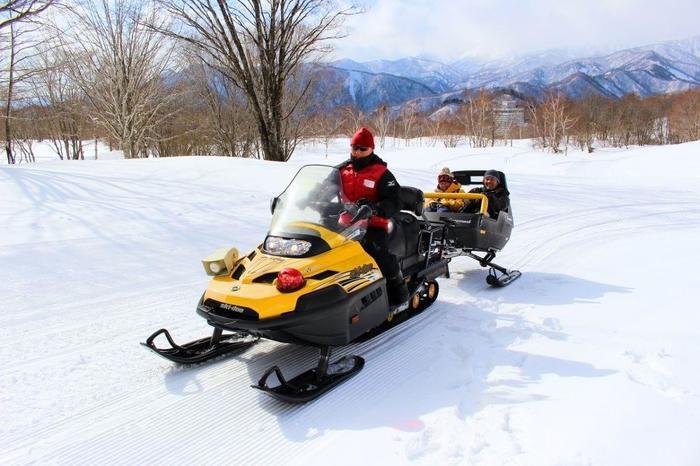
[397,290]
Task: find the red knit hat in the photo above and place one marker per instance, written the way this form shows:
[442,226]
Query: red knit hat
[363,137]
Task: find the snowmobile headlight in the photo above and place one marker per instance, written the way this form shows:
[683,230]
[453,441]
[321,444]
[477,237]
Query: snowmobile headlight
[220,261]
[215,267]
[286,247]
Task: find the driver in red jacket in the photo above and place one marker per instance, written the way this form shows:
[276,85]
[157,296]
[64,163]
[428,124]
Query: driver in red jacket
[365,179]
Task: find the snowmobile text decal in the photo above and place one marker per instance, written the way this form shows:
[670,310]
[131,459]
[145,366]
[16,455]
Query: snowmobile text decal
[231,307]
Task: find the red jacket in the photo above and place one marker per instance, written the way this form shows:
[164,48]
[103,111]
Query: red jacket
[368,178]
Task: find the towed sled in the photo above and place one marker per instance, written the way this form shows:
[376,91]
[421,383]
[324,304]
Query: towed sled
[311,283]
[466,234]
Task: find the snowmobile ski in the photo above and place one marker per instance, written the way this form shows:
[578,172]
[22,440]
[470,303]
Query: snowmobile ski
[201,350]
[505,278]
[493,279]
[312,383]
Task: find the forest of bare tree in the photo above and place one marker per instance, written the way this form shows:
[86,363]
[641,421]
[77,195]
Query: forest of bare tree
[185,77]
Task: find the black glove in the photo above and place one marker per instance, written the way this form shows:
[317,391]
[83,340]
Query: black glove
[376,209]
[366,202]
[365,211]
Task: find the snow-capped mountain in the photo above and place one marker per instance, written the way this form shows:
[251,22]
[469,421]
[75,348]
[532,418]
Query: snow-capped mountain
[647,70]
[439,77]
[366,90]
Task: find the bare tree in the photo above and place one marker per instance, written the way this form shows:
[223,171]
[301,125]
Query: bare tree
[19,42]
[590,123]
[381,120]
[354,118]
[11,63]
[433,125]
[12,11]
[685,116]
[62,110]
[477,118]
[231,126]
[326,125]
[407,120]
[556,119]
[119,63]
[259,46]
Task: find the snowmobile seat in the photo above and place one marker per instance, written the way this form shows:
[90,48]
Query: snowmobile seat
[404,237]
[411,199]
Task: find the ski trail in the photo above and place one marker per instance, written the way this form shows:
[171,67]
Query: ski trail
[101,432]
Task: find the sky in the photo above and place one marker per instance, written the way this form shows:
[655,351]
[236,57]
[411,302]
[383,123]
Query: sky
[453,29]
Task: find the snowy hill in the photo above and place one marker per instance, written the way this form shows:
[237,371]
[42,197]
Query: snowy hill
[366,90]
[589,359]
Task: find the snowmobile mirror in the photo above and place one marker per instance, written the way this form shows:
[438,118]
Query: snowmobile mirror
[221,261]
[273,204]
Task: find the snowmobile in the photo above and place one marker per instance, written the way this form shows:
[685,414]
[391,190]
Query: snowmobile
[311,283]
[466,234]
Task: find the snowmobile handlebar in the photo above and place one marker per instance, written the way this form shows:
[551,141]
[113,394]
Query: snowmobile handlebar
[484,200]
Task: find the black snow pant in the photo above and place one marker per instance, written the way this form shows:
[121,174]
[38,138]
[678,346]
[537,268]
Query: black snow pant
[376,244]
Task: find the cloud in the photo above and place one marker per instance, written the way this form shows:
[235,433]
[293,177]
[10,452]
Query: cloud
[449,29]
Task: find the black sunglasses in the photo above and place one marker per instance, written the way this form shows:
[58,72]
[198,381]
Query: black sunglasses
[361,148]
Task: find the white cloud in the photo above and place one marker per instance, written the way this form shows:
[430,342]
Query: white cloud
[451,29]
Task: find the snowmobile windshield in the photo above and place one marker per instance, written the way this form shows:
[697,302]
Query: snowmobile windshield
[314,198]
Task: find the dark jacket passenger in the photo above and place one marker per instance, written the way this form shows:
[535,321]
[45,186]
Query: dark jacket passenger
[499,197]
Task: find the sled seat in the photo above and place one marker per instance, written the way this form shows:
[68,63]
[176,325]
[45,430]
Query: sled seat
[474,231]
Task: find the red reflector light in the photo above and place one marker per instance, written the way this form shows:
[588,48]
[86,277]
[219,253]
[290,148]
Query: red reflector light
[289,279]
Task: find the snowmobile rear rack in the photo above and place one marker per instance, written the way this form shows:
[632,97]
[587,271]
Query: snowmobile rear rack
[201,350]
[312,383]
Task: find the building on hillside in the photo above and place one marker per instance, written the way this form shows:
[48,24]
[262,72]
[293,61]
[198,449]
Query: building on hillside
[510,119]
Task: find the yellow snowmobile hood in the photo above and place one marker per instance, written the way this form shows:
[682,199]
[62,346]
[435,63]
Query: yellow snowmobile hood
[345,264]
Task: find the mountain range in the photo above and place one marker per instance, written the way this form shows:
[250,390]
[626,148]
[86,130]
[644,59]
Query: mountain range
[428,84]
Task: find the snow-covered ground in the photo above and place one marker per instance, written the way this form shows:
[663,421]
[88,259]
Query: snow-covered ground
[591,358]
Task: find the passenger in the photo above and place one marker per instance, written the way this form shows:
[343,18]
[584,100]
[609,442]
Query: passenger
[446,184]
[496,193]
[365,179]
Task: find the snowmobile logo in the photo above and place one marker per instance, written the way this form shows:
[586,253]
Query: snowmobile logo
[357,271]
[231,307]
